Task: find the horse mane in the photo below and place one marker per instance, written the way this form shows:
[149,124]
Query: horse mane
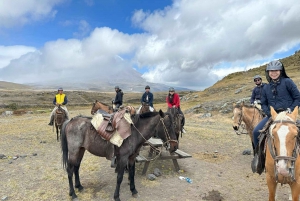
[239,106]
[82,116]
[282,116]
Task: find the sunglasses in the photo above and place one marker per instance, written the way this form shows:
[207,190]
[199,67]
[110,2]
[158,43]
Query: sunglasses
[256,80]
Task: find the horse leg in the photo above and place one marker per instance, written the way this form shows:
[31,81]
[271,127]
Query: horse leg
[70,171]
[57,130]
[272,185]
[131,179]
[76,170]
[120,169]
[295,188]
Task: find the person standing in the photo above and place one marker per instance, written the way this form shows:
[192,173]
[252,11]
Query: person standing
[173,101]
[281,93]
[256,92]
[61,100]
[118,99]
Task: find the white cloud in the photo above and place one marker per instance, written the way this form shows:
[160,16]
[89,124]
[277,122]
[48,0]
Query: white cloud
[182,44]
[20,12]
[9,53]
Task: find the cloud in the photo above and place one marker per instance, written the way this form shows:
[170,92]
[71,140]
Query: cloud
[19,12]
[184,44]
[10,53]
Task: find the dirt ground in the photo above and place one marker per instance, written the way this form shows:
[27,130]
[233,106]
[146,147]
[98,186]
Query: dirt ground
[217,168]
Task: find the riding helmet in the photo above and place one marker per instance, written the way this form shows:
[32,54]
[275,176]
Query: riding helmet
[117,87]
[256,77]
[171,89]
[274,65]
[60,89]
[147,87]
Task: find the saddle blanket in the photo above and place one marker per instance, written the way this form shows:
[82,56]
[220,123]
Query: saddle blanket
[117,137]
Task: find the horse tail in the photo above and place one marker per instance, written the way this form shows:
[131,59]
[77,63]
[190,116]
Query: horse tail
[64,144]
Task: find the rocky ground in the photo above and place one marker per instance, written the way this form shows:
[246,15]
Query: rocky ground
[31,168]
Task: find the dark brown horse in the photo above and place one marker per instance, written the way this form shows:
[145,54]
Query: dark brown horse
[177,119]
[97,105]
[145,107]
[78,135]
[59,118]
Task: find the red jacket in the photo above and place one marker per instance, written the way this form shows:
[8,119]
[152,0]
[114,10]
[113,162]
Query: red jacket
[176,101]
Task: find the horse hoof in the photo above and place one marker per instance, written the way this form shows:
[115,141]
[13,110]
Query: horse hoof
[80,188]
[136,195]
[75,199]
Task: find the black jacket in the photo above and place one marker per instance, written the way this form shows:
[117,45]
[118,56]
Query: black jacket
[119,97]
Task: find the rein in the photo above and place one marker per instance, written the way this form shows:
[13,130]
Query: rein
[292,159]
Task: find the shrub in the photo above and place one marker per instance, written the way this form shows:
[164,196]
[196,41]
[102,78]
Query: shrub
[13,106]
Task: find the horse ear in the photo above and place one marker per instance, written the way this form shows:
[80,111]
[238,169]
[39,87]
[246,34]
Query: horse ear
[161,113]
[295,113]
[273,113]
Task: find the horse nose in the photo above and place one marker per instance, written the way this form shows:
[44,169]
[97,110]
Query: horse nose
[235,128]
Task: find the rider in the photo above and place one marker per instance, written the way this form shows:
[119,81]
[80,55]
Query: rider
[61,100]
[281,93]
[256,93]
[118,99]
[173,101]
[148,98]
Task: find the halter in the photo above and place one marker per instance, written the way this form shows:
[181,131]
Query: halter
[240,123]
[166,133]
[276,158]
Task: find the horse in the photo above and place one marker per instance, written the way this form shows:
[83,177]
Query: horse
[59,118]
[282,153]
[97,105]
[104,108]
[78,135]
[248,114]
[145,107]
[177,119]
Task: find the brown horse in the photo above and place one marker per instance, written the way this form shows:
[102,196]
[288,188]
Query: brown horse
[282,153]
[59,118]
[102,107]
[78,135]
[97,105]
[250,115]
[177,119]
[145,107]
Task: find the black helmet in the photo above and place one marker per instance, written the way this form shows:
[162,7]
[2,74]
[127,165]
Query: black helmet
[147,87]
[60,89]
[256,77]
[171,89]
[117,87]
[275,65]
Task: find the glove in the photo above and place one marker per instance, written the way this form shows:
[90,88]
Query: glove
[289,110]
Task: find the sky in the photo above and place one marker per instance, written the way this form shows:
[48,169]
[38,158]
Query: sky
[180,43]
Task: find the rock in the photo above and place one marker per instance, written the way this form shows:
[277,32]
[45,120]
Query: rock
[7,113]
[2,156]
[4,198]
[247,152]
[151,177]
[15,157]
[34,154]
[238,91]
[157,172]
[206,115]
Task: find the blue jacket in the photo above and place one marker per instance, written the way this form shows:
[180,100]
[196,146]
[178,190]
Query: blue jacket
[256,93]
[150,98]
[281,95]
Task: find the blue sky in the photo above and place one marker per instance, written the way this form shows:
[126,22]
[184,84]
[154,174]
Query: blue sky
[186,43]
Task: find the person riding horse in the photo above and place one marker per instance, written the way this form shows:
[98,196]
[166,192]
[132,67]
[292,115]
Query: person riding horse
[61,100]
[282,94]
[256,92]
[173,101]
[118,99]
[147,98]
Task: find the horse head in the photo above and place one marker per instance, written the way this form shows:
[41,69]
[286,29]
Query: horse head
[94,108]
[237,116]
[166,131]
[97,105]
[283,142]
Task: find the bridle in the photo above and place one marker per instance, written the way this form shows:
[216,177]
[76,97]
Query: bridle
[240,123]
[292,159]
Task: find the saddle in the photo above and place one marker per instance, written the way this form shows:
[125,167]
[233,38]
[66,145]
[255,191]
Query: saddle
[106,128]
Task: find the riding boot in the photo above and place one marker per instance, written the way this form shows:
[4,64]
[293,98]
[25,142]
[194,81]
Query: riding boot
[254,163]
[51,120]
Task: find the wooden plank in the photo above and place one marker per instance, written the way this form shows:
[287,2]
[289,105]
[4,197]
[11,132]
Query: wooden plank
[182,154]
[140,158]
[155,142]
